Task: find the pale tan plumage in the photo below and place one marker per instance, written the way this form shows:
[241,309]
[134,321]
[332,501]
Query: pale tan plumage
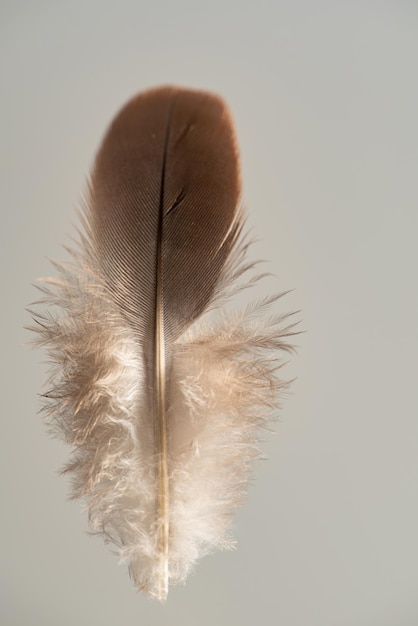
[161,403]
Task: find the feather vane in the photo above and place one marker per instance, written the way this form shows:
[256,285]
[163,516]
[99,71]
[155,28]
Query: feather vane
[161,405]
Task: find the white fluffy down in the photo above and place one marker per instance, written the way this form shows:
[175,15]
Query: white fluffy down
[223,386]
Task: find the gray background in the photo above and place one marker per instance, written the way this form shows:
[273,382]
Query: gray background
[324,95]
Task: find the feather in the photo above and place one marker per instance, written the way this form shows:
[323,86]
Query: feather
[161,399]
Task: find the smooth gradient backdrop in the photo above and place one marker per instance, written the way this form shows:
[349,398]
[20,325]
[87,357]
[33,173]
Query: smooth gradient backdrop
[325,99]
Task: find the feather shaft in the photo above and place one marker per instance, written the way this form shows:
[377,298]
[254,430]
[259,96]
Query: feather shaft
[161,435]
[162,444]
